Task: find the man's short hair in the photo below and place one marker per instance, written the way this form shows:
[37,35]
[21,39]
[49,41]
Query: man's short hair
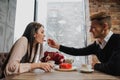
[101,17]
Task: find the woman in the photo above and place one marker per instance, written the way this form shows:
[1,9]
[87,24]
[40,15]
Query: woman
[22,54]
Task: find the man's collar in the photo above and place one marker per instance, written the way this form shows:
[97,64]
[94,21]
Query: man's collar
[102,45]
[108,36]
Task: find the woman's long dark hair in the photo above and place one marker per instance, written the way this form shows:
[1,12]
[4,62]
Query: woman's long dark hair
[29,32]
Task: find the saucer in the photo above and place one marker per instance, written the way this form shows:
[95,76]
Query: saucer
[86,70]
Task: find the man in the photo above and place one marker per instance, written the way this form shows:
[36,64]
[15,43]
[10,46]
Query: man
[106,47]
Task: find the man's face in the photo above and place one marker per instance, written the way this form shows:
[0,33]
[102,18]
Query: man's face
[96,29]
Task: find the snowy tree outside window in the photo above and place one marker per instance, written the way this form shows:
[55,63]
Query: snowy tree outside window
[65,22]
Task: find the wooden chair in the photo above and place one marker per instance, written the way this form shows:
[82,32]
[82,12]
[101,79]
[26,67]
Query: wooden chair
[3,57]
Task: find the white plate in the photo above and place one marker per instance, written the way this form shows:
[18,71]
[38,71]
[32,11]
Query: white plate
[66,70]
[86,70]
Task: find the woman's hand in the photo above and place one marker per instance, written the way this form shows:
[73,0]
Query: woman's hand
[44,66]
[53,44]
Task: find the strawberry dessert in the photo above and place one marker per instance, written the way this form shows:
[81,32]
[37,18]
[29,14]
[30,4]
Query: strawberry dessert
[65,66]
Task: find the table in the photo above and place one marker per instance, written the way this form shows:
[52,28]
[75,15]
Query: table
[60,75]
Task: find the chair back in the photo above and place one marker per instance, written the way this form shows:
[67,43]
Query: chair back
[3,57]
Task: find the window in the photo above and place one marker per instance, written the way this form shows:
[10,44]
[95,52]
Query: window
[65,21]
[24,15]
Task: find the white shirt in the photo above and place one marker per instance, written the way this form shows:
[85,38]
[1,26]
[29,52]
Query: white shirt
[106,39]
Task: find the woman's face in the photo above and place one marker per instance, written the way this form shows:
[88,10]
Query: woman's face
[39,36]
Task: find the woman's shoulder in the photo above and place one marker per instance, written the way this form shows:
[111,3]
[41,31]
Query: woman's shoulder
[22,40]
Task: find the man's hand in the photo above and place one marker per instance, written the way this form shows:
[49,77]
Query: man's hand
[93,64]
[53,44]
[94,61]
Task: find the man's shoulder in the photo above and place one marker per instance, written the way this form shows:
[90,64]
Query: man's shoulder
[116,36]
